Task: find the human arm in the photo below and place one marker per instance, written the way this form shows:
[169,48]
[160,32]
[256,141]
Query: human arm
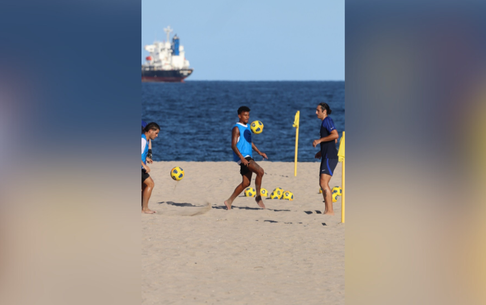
[145,167]
[264,155]
[149,154]
[235,134]
[318,155]
[333,136]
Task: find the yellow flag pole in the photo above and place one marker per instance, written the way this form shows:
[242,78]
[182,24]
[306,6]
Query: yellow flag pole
[344,192]
[342,158]
[296,125]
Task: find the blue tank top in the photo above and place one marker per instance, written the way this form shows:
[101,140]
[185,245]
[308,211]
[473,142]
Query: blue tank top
[244,142]
[144,148]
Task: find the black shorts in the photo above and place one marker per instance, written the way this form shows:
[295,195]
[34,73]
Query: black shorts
[145,175]
[244,169]
[328,166]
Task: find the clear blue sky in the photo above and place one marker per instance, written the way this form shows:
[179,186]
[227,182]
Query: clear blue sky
[252,40]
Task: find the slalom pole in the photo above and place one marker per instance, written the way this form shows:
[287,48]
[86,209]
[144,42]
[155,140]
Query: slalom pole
[344,192]
[296,125]
[343,155]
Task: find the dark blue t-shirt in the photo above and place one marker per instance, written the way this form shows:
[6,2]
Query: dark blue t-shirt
[328,149]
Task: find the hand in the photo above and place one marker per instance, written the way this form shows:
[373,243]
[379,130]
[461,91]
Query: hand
[149,160]
[264,155]
[244,162]
[316,142]
[318,155]
[147,169]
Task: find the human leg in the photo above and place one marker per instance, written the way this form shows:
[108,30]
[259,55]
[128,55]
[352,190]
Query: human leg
[326,193]
[255,168]
[327,169]
[147,187]
[246,178]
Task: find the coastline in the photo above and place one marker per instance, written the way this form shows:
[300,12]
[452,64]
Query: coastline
[194,251]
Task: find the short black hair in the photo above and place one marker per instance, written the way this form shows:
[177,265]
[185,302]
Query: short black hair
[243,109]
[151,126]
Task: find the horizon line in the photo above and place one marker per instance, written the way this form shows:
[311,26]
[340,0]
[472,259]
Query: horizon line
[273,80]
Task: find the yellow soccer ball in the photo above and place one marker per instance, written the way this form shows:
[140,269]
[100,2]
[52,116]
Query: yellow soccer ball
[250,192]
[335,196]
[338,190]
[177,173]
[256,127]
[263,192]
[277,194]
[288,195]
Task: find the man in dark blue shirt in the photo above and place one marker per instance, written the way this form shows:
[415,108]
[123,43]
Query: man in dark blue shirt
[328,153]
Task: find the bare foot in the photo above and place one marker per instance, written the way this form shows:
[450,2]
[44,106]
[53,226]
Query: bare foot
[259,201]
[227,204]
[148,211]
[328,213]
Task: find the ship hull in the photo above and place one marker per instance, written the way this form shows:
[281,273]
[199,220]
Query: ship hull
[169,76]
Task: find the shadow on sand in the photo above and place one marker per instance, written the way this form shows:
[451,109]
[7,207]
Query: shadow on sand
[180,204]
[223,207]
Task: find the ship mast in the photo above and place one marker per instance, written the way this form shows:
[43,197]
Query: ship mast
[168,30]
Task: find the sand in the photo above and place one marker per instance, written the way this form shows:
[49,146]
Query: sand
[194,251]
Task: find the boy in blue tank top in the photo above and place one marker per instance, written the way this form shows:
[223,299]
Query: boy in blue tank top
[328,153]
[242,154]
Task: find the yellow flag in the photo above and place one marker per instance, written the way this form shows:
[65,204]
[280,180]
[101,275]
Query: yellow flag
[297,119]
[341,149]
[296,125]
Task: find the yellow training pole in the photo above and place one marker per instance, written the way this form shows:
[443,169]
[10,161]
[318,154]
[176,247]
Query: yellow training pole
[296,125]
[344,192]
[342,158]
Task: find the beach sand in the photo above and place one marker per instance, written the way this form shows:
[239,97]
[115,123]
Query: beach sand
[194,251]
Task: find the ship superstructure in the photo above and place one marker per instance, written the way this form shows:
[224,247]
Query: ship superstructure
[166,62]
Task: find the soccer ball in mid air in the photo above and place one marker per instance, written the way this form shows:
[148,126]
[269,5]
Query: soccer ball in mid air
[338,190]
[250,192]
[256,127]
[288,195]
[263,192]
[177,173]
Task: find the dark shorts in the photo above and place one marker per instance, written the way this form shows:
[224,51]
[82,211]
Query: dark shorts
[244,169]
[328,166]
[145,175]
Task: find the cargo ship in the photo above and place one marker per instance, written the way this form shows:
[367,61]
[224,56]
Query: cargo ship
[166,61]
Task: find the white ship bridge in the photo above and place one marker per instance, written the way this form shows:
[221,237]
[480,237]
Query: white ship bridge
[166,55]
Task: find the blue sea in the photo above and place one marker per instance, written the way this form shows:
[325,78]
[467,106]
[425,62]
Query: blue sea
[196,117]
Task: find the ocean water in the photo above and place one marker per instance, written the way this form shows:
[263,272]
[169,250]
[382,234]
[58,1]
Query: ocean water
[196,117]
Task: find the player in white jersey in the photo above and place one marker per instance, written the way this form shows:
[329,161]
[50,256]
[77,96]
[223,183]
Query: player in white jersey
[151,132]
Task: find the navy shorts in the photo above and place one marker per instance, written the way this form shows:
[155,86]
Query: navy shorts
[145,175]
[328,166]
[244,169]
